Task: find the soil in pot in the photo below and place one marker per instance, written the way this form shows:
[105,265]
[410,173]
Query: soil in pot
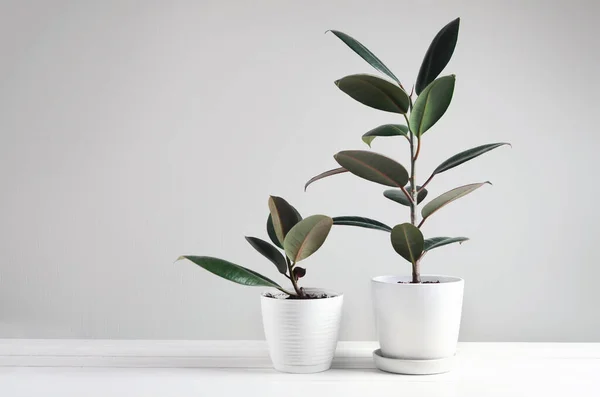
[295,297]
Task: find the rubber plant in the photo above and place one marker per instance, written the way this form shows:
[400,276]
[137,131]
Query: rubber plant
[298,238]
[434,95]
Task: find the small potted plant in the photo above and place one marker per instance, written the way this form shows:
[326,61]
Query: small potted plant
[417,316]
[301,324]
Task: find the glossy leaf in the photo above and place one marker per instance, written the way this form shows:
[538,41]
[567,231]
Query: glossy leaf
[436,242]
[325,174]
[271,232]
[407,241]
[283,216]
[448,197]
[373,167]
[385,130]
[361,222]
[269,252]
[232,272]
[398,195]
[365,54]
[438,55]
[465,156]
[306,237]
[431,105]
[375,92]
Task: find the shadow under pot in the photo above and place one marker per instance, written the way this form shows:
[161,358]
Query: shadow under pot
[417,324]
[302,334]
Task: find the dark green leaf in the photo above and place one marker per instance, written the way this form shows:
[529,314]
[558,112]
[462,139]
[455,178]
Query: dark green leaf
[283,216]
[325,175]
[365,54]
[232,272]
[375,92]
[306,237]
[436,242]
[373,167]
[465,156]
[269,252]
[407,241]
[438,55]
[449,197]
[361,222]
[385,130]
[271,232]
[398,195]
[431,105]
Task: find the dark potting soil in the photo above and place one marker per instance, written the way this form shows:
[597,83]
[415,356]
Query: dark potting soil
[294,297]
[423,282]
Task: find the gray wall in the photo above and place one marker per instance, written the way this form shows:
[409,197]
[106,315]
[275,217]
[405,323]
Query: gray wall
[134,132]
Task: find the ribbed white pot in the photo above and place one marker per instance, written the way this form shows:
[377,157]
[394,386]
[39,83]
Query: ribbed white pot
[417,321]
[302,333]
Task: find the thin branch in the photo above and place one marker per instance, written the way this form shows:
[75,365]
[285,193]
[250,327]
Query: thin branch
[418,149]
[426,182]
[406,193]
[421,223]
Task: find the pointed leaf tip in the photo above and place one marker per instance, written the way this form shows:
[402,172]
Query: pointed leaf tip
[448,197]
[438,55]
[365,54]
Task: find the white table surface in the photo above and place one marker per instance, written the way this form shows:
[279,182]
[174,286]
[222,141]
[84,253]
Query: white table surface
[487,369]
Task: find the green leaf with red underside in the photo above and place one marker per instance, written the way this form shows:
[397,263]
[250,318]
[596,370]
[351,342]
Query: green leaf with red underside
[373,167]
[375,92]
[306,237]
[448,197]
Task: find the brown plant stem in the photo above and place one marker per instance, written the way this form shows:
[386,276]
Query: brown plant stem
[294,280]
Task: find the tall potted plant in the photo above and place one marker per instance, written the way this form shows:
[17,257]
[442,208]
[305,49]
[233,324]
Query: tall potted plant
[417,316]
[301,324]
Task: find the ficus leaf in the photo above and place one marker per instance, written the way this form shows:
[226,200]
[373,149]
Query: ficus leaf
[361,222]
[436,242]
[232,272]
[325,174]
[375,92]
[438,55]
[465,156]
[398,195]
[269,252]
[271,232]
[407,241]
[365,54]
[306,237]
[283,216]
[373,167]
[431,105]
[385,130]
[448,197]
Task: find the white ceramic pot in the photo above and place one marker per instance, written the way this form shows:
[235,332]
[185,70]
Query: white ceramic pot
[417,321]
[302,333]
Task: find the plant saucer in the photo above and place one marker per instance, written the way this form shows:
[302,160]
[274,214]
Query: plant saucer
[412,367]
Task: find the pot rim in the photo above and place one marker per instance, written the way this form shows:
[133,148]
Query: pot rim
[393,279]
[331,294]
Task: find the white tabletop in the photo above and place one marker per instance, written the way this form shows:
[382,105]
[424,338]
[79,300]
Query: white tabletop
[487,369]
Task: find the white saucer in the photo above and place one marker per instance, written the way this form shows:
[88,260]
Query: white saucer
[412,367]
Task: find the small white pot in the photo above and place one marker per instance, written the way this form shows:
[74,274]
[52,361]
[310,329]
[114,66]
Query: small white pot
[417,321]
[302,333]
